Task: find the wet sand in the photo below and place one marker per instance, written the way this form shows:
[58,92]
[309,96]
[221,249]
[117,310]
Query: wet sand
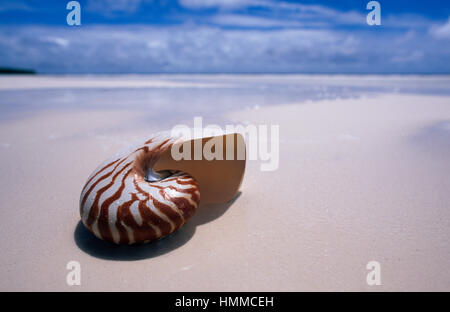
[360,179]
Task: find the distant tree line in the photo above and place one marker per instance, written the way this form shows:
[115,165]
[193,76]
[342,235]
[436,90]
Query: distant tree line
[12,71]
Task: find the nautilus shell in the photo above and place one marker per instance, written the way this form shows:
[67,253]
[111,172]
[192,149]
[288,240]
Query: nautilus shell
[124,201]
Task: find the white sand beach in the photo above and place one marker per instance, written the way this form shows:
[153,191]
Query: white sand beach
[363,175]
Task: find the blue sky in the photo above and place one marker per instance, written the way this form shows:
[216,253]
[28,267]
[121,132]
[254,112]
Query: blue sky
[226,36]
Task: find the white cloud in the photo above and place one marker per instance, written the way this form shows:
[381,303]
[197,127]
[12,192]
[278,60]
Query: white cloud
[314,13]
[441,31]
[273,14]
[240,20]
[61,42]
[293,13]
[206,4]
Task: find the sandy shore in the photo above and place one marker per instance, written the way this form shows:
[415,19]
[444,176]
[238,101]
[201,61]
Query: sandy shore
[94,82]
[359,180]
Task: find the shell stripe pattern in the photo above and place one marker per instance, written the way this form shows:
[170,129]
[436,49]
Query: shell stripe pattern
[117,204]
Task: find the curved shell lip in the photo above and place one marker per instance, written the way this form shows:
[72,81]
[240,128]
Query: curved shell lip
[219,179]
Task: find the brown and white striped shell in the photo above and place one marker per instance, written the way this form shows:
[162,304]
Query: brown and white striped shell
[117,203]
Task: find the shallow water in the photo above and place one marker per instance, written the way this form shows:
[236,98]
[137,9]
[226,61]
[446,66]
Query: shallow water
[178,98]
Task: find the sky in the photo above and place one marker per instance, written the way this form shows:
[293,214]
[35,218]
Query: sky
[226,36]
